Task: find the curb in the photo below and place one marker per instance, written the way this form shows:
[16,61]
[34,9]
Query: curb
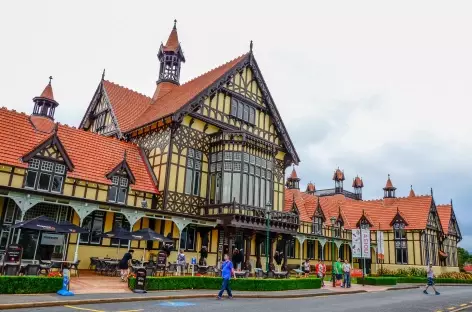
[43,304]
[403,288]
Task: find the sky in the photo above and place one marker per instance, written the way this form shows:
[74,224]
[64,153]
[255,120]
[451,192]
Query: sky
[374,87]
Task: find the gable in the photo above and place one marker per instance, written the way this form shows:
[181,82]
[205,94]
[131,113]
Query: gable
[433,218]
[319,212]
[244,83]
[241,78]
[51,149]
[122,169]
[454,226]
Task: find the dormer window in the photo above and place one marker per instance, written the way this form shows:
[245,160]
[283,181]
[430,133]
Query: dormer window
[44,175]
[118,189]
[317,225]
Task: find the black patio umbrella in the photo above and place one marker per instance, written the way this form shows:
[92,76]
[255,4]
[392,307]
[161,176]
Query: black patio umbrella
[147,235]
[69,228]
[118,233]
[41,223]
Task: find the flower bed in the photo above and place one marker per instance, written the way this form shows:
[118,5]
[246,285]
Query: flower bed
[247,284]
[29,284]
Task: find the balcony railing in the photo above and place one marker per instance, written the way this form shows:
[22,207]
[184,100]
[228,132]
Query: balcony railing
[255,215]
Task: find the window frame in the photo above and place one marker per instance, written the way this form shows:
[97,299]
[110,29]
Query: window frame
[123,219]
[57,170]
[310,249]
[400,243]
[94,216]
[193,172]
[239,107]
[118,185]
[186,232]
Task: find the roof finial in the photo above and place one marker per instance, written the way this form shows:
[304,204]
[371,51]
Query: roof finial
[103,74]
[50,79]
[124,155]
[389,175]
[411,186]
[250,46]
[175,24]
[431,191]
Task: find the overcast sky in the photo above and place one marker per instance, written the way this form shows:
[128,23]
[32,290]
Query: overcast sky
[374,87]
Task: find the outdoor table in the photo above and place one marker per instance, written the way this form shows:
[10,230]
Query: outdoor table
[240,274]
[63,263]
[280,274]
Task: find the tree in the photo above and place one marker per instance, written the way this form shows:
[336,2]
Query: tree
[463,256]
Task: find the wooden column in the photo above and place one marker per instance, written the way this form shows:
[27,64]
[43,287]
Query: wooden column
[259,240]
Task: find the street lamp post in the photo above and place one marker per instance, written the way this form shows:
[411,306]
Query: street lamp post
[268,205]
[333,221]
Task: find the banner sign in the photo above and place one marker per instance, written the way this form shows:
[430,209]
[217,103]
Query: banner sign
[380,245]
[356,243]
[365,243]
[140,286]
[52,239]
[161,258]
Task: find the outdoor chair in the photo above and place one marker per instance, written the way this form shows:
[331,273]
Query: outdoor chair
[75,266]
[11,269]
[32,269]
[172,269]
[93,263]
[44,268]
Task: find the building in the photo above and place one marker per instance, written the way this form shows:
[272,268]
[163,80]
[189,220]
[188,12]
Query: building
[201,162]
[415,230]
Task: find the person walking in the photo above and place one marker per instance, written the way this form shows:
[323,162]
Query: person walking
[338,270]
[347,274]
[321,271]
[227,271]
[430,275]
[181,262]
[306,268]
[124,265]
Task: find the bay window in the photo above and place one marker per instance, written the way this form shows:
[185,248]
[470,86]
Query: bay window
[240,177]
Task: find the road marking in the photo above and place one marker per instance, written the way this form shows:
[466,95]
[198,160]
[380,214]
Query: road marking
[463,305]
[451,308]
[131,310]
[83,309]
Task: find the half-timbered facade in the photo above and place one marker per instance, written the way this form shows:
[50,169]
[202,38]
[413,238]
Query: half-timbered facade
[201,162]
[415,230]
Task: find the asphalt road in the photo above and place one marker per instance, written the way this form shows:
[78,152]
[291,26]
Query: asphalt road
[451,299]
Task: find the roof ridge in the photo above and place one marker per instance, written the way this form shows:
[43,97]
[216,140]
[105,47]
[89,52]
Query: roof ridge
[214,68]
[131,90]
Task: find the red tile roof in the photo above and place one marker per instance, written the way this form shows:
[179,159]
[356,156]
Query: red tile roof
[381,212]
[134,110]
[127,104]
[389,184]
[93,155]
[293,175]
[445,213]
[179,96]
[357,182]
[338,175]
[42,123]
[47,92]
[310,187]
[173,41]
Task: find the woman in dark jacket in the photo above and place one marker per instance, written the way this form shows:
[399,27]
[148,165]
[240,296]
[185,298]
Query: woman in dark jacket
[125,263]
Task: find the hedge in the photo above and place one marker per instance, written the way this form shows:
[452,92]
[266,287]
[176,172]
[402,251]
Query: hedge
[248,284]
[29,284]
[423,280]
[378,281]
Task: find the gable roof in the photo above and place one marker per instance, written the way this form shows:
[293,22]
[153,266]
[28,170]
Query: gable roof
[19,137]
[445,213]
[379,212]
[178,97]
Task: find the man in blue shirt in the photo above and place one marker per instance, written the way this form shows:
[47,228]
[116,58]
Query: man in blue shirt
[226,272]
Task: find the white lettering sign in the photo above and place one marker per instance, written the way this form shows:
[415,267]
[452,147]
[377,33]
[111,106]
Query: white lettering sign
[365,243]
[52,239]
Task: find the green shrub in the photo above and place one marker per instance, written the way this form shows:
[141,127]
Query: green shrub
[29,284]
[411,279]
[248,284]
[377,281]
